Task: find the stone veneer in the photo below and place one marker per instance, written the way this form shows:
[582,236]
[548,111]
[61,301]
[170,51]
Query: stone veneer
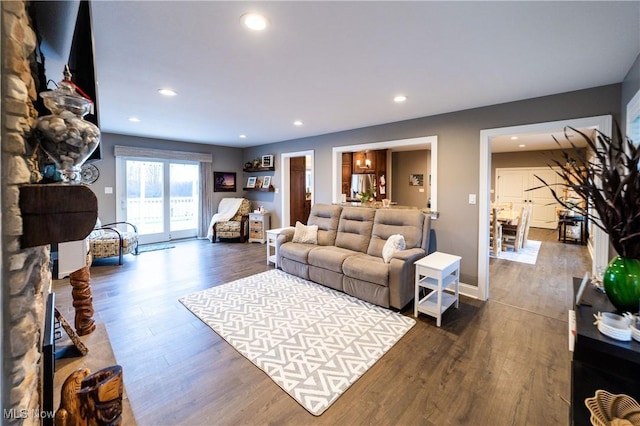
[26,276]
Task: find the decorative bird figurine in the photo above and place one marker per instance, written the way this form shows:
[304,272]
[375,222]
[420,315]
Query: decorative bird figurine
[68,413]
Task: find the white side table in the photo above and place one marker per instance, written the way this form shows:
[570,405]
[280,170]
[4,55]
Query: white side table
[272,236]
[439,273]
[258,224]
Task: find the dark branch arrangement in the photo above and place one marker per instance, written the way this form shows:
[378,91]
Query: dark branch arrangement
[606,177]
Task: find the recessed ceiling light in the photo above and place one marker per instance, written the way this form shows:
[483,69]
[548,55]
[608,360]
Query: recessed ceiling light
[254,21]
[400,98]
[522,145]
[514,138]
[297,123]
[134,119]
[167,92]
[243,136]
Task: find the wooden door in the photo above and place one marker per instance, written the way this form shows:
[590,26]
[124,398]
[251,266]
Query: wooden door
[347,158]
[297,190]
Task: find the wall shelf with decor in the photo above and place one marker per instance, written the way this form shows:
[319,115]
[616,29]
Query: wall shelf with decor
[259,184]
[258,169]
[271,189]
[262,164]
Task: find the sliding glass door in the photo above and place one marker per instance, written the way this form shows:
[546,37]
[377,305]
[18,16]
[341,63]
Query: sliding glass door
[161,198]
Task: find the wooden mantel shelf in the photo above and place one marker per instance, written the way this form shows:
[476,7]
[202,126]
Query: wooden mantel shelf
[56,213]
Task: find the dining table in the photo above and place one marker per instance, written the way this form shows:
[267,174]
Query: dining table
[508,216]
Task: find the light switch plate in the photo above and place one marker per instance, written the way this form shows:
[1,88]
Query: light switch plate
[472,198]
[108,190]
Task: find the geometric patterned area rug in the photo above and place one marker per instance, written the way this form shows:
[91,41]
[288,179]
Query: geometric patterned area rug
[313,341]
[528,254]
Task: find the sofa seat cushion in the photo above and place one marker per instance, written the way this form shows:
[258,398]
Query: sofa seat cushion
[367,268]
[297,251]
[329,257]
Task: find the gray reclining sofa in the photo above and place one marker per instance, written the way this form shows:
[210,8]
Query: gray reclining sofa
[348,254]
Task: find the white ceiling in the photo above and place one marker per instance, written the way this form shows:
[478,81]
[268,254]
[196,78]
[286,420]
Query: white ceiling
[337,65]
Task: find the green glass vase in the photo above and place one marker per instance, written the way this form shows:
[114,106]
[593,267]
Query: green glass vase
[622,283]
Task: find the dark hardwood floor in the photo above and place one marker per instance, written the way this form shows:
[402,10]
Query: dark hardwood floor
[500,362]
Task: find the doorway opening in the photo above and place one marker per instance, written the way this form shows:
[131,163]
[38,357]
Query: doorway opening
[285,160]
[426,142]
[600,249]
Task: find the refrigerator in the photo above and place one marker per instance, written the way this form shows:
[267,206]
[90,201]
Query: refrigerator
[361,182]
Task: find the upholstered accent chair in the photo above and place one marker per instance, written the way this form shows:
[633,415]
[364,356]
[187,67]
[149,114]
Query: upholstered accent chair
[235,228]
[113,239]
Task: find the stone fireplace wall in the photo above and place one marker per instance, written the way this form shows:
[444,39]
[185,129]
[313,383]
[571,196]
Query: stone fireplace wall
[26,276]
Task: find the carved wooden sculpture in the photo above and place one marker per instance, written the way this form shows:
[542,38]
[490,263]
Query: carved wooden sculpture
[68,413]
[75,338]
[82,300]
[101,397]
[91,399]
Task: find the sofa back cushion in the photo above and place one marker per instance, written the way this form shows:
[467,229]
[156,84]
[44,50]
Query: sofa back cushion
[409,223]
[326,217]
[354,229]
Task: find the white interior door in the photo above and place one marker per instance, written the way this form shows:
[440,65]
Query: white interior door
[544,205]
[512,185]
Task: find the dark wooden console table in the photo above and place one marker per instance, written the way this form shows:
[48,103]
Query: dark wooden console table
[564,221]
[599,362]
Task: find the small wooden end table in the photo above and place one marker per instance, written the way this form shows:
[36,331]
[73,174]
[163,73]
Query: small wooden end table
[439,274]
[272,236]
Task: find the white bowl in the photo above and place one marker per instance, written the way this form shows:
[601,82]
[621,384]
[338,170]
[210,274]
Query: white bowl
[623,334]
[615,320]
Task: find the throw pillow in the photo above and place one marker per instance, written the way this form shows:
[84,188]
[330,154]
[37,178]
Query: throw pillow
[394,244]
[305,234]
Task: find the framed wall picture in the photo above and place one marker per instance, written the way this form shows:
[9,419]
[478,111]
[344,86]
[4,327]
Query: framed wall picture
[224,182]
[416,179]
[267,161]
[266,182]
[251,182]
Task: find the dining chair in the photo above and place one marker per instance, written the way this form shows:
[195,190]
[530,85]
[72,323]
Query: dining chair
[495,234]
[525,235]
[512,234]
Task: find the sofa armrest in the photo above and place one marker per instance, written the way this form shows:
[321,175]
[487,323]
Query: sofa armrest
[402,272]
[284,237]
[409,255]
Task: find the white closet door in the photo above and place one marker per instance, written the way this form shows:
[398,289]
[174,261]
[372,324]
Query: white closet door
[544,205]
[512,186]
